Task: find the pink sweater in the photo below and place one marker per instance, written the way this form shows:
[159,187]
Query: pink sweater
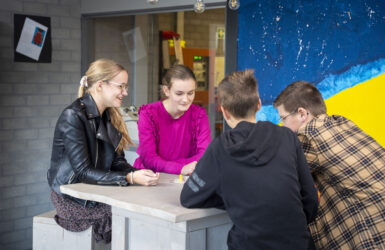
[167,144]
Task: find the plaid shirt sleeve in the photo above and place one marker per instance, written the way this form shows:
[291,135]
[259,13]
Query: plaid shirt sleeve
[348,168]
[310,153]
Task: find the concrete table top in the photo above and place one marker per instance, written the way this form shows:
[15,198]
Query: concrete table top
[161,201]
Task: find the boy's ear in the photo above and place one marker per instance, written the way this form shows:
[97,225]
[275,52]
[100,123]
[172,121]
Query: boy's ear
[226,114]
[259,104]
[304,113]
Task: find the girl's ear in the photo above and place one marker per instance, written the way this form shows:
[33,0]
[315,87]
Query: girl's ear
[166,90]
[98,85]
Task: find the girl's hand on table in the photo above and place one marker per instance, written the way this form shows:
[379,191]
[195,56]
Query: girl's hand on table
[145,177]
[188,168]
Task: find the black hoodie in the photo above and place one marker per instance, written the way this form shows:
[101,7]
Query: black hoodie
[259,174]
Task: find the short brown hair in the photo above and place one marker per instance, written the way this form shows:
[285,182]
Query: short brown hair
[238,93]
[301,94]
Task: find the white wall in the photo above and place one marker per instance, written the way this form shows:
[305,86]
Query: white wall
[92,7]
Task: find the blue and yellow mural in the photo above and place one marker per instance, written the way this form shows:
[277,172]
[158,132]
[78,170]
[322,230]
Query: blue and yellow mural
[337,45]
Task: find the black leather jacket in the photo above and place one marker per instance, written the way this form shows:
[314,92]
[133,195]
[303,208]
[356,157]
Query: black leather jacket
[82,154]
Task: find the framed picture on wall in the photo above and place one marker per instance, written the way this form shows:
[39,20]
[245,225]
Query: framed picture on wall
[32,39]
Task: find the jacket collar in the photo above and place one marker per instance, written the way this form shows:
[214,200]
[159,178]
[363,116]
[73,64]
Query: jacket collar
[106,133]
[317,119]
[90,105]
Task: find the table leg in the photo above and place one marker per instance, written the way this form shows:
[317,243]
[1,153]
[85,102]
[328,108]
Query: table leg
[119,232]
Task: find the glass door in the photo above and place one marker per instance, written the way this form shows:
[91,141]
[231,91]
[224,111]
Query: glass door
[144,45]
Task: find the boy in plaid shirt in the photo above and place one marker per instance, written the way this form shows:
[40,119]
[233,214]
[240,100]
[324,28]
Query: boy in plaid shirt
[348,167]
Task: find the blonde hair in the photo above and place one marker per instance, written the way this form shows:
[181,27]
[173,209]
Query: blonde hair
[105,70]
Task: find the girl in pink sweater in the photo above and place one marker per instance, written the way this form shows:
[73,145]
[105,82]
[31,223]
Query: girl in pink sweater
[173,132]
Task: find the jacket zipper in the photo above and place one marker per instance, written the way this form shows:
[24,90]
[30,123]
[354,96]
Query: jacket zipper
[96,161]
[71,178]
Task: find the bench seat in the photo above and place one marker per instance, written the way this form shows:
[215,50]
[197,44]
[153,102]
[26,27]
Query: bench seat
[48,235]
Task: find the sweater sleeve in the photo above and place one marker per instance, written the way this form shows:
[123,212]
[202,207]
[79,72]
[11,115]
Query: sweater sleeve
[308,190]
[201,136]
[148,144]
[200,190]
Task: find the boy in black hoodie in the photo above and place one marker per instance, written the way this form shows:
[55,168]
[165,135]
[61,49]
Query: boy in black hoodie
[257,172]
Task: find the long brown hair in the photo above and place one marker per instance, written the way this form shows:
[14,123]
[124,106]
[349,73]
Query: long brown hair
[105,70]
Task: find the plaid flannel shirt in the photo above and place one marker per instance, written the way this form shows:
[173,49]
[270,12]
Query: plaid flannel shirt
[348,167]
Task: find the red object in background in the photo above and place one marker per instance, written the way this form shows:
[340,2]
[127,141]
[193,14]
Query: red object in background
[168,34]
[38,38]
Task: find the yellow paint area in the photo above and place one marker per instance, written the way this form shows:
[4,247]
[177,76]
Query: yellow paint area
[364,104]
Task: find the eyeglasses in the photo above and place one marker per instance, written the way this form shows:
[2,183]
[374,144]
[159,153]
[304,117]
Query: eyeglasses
[282,119]
[122,86]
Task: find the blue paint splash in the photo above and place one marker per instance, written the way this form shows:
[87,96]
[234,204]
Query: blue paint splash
[268,113]
[286,41]
[333,84]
